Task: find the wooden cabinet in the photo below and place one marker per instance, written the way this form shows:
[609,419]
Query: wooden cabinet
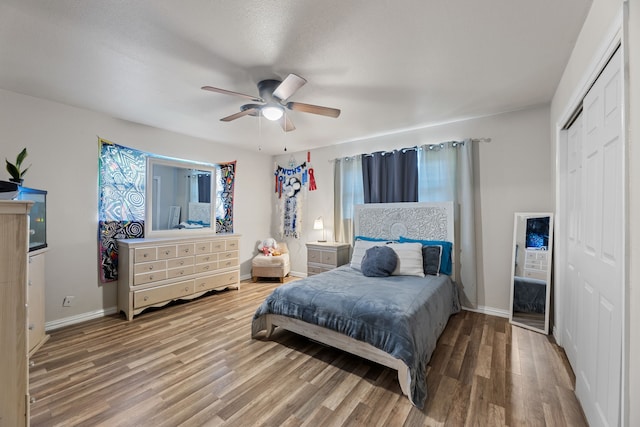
[14,374]
[323,256]
[154,272]
[35,296]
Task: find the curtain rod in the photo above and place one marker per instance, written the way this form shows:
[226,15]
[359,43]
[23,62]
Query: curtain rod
[475,140]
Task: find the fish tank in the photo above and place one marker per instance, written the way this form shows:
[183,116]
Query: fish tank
[37,215]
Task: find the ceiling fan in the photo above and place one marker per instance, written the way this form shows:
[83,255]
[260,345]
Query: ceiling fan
[273,101]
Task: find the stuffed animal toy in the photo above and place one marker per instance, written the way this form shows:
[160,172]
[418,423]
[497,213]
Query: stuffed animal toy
[269,247]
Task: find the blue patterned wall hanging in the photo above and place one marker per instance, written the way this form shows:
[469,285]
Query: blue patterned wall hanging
[122,177]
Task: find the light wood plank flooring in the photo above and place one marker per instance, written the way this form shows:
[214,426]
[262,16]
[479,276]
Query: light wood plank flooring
[194,363]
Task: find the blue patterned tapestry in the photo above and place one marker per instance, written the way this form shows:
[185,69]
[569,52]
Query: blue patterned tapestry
[121,206]
[224,197]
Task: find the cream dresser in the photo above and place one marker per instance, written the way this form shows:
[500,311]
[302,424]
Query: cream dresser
[35,294]
[536,264]
[323,256]
[154,272]
[14,373]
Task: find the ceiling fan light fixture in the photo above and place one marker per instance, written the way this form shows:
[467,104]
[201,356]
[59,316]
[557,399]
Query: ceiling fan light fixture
[271,112]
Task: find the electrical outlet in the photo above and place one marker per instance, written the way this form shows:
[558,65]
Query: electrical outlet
[67,301]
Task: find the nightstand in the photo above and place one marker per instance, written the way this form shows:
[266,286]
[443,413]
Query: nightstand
[324,256]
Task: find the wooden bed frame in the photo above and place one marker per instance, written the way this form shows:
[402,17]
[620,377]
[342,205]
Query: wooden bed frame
[425,221]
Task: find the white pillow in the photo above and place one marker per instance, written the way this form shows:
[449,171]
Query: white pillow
[409,259]
[359,249]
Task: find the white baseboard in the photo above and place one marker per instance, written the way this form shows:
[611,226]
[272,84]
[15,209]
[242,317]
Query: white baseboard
[291,273]
[491,311]
[68,321]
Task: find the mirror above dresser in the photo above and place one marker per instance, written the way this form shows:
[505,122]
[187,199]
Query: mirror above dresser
[179,197]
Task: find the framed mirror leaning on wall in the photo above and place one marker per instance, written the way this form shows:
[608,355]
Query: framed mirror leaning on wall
[531,270]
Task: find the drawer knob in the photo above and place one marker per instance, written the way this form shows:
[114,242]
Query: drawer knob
[181,262]
[181,272]
[186,289]
[144,256]
[151,277]
[146,298]
[167,252]
[32,363]
[31,326]
[151,267]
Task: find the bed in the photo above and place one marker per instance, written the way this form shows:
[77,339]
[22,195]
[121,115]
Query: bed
[529,294]
[394,320]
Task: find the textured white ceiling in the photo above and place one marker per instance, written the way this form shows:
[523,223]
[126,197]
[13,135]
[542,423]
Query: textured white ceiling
[388,65]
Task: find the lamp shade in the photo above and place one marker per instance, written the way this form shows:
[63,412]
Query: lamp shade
[318,224]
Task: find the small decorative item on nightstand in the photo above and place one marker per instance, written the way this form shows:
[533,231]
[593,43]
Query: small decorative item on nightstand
[323,256]
[318,224]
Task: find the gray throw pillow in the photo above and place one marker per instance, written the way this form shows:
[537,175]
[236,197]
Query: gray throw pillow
[431,258]
[379,261]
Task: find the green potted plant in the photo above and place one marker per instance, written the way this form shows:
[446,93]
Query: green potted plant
[14,168]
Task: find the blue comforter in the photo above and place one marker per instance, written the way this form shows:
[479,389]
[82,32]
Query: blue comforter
[401,315]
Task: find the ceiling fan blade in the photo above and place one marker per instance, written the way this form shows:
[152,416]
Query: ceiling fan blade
[238,115]
[286,123]
[289,86]
[314,109]
[228,92]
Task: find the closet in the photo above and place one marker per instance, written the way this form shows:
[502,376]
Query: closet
[592,179]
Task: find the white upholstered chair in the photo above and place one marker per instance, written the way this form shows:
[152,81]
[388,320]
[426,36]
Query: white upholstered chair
[271,266]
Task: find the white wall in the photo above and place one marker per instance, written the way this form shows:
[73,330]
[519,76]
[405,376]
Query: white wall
[513,173]
[62,142]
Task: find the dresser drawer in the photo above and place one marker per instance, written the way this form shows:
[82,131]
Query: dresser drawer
[314,269]
[162,293]
[180,262]
[145,254]
[186,249]
[148,267]
[533,274]
[207,266]
[228,255]
[219,280]
[314,256]
[166,252]
[218,246]
[203,247]
[232,245]
[204,258]
[226,263]
[330,258]
[180,271]
[154,276]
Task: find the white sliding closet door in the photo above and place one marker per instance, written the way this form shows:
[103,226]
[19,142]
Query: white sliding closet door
[592,333]
[572,224]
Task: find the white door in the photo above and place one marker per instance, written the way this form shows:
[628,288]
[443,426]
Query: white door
[572,224]
[594,270]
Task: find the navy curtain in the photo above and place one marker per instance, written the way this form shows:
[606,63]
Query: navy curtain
[204,188]
[390,177]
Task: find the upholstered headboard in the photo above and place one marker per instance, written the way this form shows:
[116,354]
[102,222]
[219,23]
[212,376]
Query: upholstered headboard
[426,221]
